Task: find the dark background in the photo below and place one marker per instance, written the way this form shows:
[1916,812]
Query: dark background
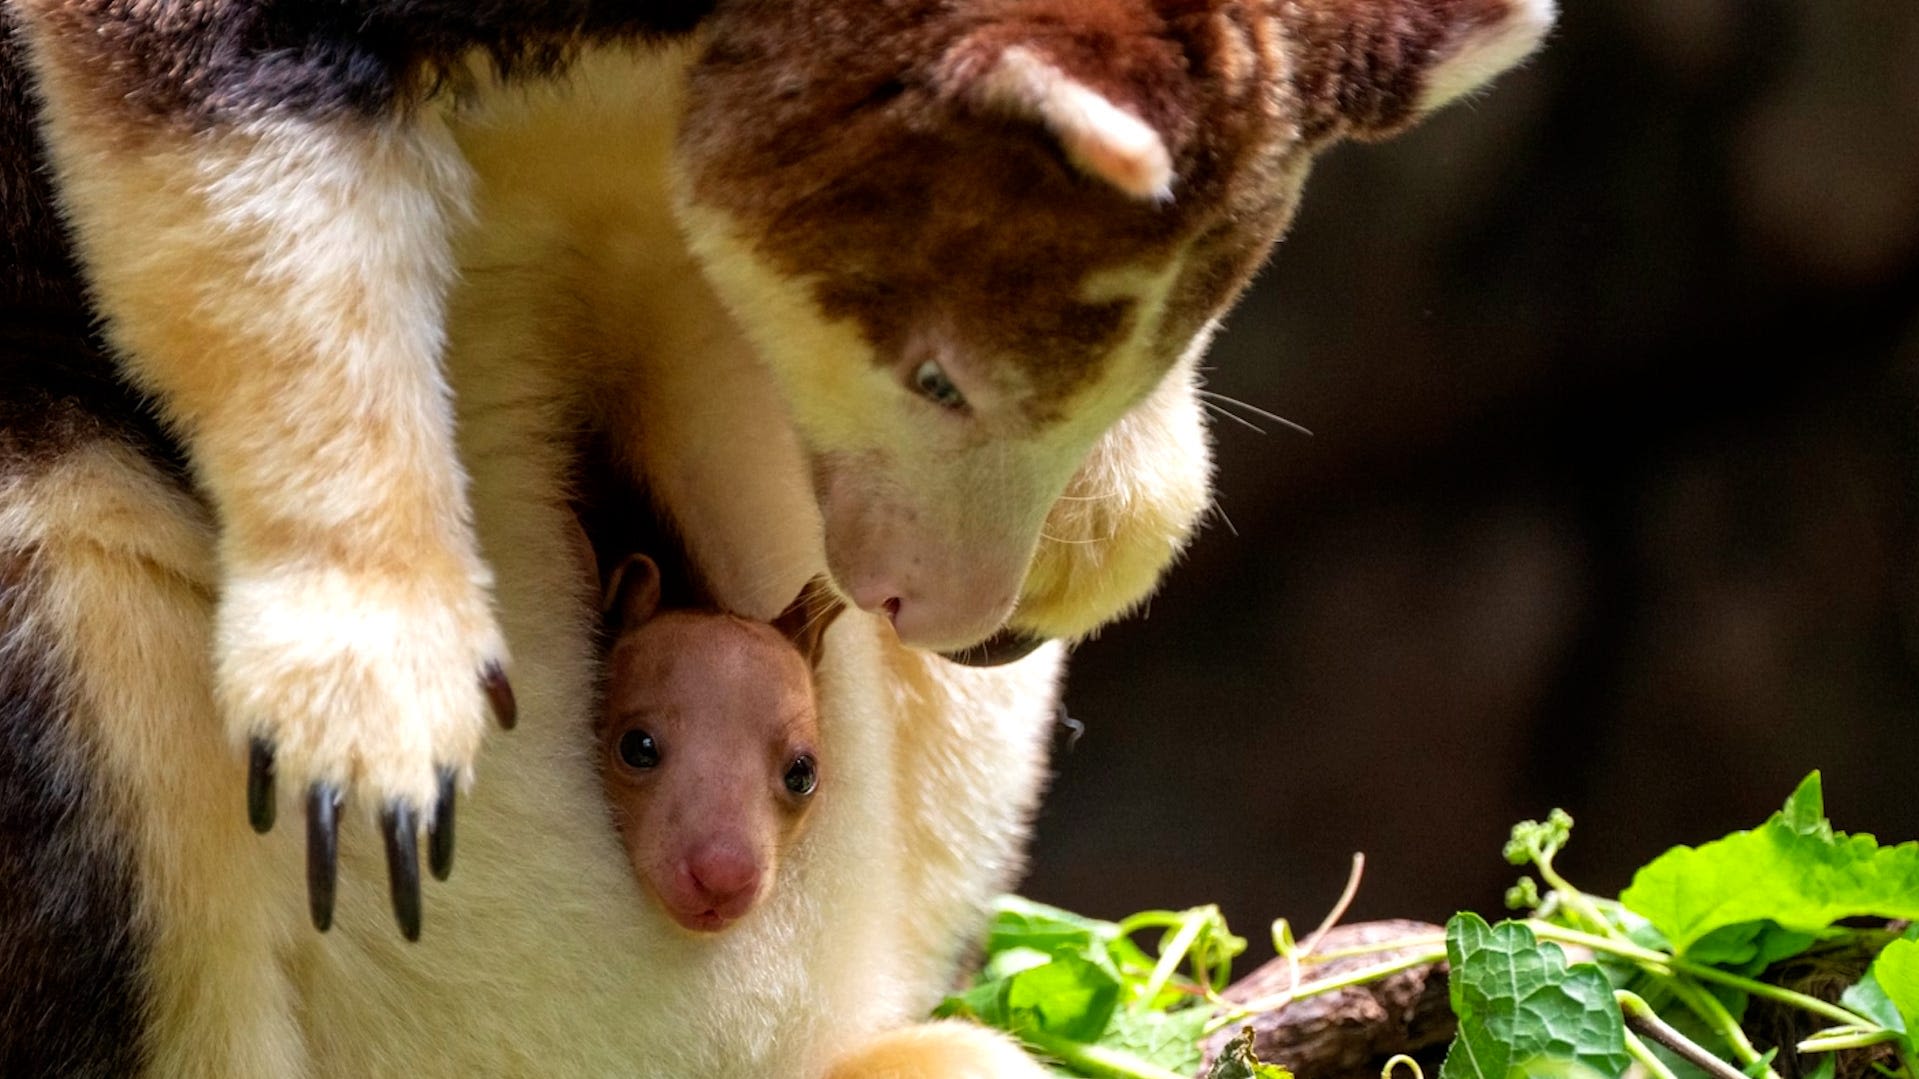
[1612,501]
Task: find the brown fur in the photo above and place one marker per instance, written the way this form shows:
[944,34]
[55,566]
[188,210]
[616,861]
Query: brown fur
[194,66]
[36,270]
[73,1002]
[916,211]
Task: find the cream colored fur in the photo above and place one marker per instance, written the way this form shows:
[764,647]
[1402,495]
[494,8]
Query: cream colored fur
[1127,514]
[1480,57]
[296,343]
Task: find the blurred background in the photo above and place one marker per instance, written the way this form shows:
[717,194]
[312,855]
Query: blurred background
[1612,501]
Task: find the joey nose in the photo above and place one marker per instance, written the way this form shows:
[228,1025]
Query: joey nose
[725,879]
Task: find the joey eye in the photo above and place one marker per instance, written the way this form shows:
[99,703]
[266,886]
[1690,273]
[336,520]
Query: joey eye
[638,750]
[802,776]
[930,380]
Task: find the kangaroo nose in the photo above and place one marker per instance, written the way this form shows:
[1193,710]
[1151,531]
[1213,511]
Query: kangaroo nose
[877,597]
[954,621]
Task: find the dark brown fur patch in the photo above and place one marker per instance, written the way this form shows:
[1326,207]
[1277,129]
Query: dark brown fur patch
[36,271]
[59,391]
[71,953]
[917,214]
[214,62]
[72,948]
[845,140]
[1360,66]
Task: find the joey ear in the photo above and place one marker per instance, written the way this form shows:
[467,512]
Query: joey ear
[633,592]
[1102,139]
[806,620]
[1381,65]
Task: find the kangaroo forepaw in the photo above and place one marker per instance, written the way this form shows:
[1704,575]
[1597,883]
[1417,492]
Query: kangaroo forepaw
[352,689]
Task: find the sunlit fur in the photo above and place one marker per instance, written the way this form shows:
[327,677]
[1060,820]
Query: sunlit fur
[939,1051]
[276,283]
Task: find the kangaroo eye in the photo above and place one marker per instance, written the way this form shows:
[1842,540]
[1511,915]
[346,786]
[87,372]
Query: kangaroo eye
[638,750]
[930,380]
[802,776]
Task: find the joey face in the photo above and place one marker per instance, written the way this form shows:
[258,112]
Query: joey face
[968,239]
[710,759]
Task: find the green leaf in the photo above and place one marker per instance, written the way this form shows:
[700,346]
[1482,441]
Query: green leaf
[1022,923]
[1805,808]
[1889,992]
[1011,961]
[1748,948]
[1069,996]
[1793,870]
[1168,1039]
[983,1003]
[1897,972]
[1523,1012]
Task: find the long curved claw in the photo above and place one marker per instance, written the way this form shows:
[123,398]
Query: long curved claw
[323,852]
[439,831]
[499,694]
[399,822]
[260,803]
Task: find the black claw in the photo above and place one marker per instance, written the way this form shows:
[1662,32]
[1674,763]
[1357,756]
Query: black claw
[439,832]
[260,804]
[499,693]
[323,851]
[399,822]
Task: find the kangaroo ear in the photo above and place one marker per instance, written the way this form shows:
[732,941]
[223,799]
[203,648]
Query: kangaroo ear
[1102,139]
[633,592]
[1499,36]
[1381,65]
[806,620]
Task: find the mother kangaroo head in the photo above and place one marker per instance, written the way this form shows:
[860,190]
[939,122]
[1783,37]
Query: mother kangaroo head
[968,238]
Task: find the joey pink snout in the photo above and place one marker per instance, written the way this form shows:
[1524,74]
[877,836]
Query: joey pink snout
[712,886]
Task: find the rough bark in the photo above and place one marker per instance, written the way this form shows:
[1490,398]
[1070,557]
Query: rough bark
[1347,1033]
